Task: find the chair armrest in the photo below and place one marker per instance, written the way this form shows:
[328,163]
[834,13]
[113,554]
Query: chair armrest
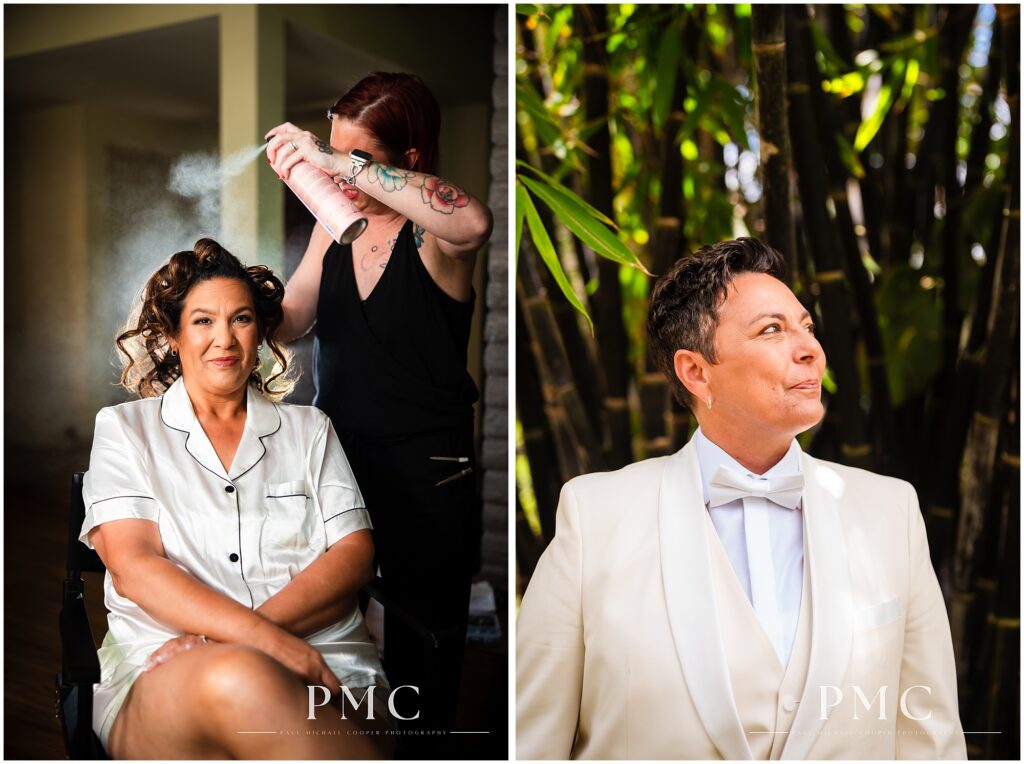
[79,661]
[376,589]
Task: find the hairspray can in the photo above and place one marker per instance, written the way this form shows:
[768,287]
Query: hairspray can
[325,200]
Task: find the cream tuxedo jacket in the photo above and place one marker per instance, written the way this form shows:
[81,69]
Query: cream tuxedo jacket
[636,641]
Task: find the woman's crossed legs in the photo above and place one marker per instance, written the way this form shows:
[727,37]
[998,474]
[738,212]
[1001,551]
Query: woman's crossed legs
[235,702]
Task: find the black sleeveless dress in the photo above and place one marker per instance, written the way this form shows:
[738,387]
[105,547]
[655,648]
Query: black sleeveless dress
[390,372]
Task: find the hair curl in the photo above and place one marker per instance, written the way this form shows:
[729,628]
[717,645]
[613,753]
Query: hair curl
[683,310]
[148,367]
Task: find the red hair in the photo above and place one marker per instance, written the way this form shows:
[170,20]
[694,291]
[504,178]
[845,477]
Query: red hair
[399,110]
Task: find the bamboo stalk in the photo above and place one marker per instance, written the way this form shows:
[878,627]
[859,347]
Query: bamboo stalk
[887,448]
[980,140]
[579,351]
[837,29]
[770,69]
[578,448]
[991,702]
[840,344]
[1000,701]
[873,185]
[591,23]
[667,245]
[980,455]
[897,228]
[653,391]
[579,348]
[955,418]
[959,31]
[944,487]
[528,547]
[537,442]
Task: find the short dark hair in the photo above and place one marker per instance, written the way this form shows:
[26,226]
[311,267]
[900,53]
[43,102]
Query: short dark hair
[683,311]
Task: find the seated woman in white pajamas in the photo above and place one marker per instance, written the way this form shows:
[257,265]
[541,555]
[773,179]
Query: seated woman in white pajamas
[234,536]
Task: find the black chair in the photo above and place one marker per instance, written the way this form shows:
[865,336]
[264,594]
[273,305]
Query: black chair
[80,665]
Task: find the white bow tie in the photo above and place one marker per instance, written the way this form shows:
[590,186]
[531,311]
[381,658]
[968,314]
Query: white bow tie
[728,485]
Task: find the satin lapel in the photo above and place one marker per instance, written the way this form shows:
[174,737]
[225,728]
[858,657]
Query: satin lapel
[177,413]
[262,420]
[690,601]
[199,446]
[831,605]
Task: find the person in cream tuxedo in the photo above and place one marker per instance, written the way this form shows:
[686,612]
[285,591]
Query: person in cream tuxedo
[739,599]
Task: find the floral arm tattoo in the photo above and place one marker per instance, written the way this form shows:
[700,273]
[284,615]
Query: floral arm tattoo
[442,196]
[390,178]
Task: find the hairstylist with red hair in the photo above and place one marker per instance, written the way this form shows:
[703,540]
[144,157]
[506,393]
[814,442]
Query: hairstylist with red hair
[392,317]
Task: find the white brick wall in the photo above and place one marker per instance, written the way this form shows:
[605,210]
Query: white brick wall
[494,457]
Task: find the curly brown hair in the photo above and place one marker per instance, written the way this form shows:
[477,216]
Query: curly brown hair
[149,368]
[683,310]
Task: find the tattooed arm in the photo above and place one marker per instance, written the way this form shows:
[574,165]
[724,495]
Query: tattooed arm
[458,222]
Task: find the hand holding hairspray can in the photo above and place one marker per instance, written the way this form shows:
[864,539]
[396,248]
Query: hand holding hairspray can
[325,200]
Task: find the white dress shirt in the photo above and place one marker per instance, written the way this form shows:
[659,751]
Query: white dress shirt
[764,543]
[246,532]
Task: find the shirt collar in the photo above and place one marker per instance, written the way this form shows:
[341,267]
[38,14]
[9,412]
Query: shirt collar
[262,419]
[711,457]
[176,410]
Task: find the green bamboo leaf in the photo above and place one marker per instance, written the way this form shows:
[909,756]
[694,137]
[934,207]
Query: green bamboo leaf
[527,9]
[549,131]
[522,199]
[828,381]
[667,71]
[733,110]
[913,69]
[547,253]
[849,157]
[870,127]
[570,211]
[832,64]
[560,19]
[594,212]
[693,118]
[910,41]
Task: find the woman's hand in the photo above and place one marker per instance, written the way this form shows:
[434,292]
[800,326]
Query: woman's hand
[289,145]
[172,647]
[296,654]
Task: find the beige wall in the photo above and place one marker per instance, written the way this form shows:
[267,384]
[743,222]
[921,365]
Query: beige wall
[74,259]
[32,29]
[47,279]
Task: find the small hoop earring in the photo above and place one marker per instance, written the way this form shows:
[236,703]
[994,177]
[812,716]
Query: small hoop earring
[709,401]
[174,353]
